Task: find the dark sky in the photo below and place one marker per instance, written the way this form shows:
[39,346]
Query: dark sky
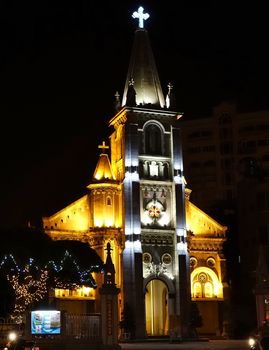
[61,63]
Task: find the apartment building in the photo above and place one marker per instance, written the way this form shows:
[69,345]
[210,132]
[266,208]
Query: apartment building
[226,162]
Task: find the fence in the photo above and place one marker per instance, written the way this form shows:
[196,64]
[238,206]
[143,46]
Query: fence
[83,327]
[78,330]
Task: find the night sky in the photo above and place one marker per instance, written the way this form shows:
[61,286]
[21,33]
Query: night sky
[61,63]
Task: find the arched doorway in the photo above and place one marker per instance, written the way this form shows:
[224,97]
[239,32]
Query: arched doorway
[156,300]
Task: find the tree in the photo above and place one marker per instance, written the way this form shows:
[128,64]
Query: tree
[31,263]
[28,290]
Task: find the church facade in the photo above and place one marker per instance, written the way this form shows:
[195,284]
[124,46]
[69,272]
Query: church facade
[167,252]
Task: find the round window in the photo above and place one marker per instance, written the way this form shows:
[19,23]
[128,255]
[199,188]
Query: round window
[211,262]
[147,258]
[193,261]
[167,259]
[202,277]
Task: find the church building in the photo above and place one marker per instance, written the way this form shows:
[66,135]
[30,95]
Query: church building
[167,253]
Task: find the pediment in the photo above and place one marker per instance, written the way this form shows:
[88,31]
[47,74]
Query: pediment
[199,223]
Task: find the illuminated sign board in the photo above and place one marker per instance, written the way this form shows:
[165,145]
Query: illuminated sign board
[45,322]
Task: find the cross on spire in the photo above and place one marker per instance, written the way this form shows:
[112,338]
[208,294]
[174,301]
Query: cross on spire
[170,87]
[141,16]
[103,146]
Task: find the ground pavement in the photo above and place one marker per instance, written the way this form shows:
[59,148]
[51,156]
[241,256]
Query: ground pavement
[187,345]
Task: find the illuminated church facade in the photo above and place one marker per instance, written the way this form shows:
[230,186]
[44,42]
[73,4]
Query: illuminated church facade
[166,251]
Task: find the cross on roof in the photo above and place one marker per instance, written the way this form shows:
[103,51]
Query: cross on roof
[141,16]
[103,146]
[117,95]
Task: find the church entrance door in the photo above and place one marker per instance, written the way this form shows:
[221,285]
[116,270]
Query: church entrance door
[156,300]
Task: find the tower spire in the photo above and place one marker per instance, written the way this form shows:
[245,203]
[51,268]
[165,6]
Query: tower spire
[103,171]
[109,269]
[142,70]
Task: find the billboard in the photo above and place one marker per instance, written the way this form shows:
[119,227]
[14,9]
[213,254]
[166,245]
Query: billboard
[46,322]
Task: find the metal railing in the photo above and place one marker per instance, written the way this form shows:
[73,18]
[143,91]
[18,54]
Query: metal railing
[83,327]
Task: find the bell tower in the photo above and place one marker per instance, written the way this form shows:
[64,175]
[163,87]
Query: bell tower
[146,156]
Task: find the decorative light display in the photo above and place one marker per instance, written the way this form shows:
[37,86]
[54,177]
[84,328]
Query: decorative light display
[80,276]
[28,282]
[27,291]
[31,282]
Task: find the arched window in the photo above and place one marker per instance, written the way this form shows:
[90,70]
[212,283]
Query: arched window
[208,290]
[108,201]
[205,284]
[153,140]
[166,170]
[197,290]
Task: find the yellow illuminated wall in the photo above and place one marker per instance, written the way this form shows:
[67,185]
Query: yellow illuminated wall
[205,284]
[72,218]
[106,205]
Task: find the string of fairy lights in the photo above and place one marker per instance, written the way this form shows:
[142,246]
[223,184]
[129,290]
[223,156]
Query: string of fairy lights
[31,282]
[27,292]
